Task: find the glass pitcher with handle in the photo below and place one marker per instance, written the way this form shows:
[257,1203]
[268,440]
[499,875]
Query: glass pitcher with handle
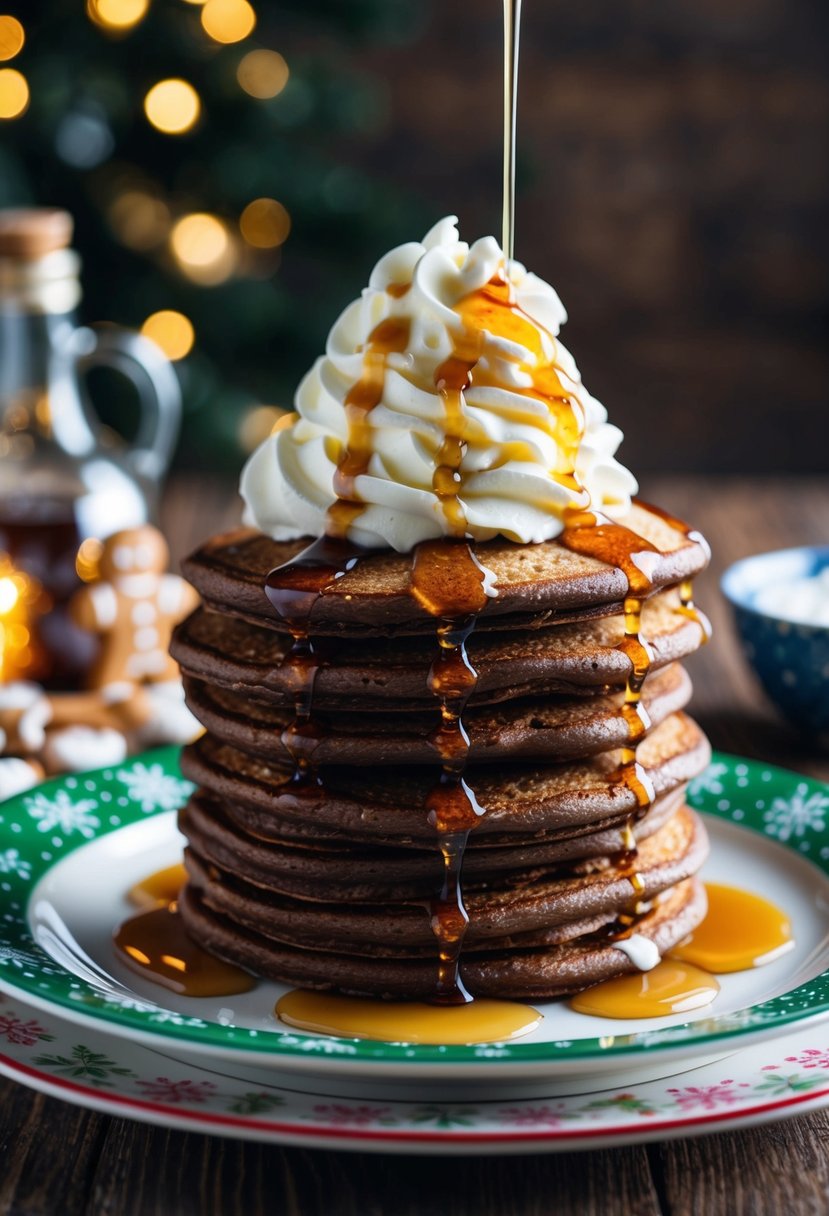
[66,483]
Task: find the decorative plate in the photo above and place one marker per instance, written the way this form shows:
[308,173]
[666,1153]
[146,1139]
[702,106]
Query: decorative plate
[120,1077]
[71,849]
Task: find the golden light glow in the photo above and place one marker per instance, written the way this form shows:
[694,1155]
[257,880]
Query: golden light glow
[228,20]
[203,249]
[14,93]
[262,74]
[171,331]
[140,220]
[260,422]
[88,559]
[12,37]
[9,595]
[116,14]
[19,596]
[172,106]
[265,223]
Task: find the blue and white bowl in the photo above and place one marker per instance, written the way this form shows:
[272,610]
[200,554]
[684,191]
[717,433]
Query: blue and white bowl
[790,659]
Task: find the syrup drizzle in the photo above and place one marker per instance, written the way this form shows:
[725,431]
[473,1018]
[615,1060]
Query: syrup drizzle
[494,309]
[450,583]
[512,30]
[452,379]
[592,535]
[687,607]
[292,590]
[389,337]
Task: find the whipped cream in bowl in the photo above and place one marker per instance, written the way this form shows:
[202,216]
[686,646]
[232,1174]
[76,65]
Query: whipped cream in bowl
[780,603]
[444,406]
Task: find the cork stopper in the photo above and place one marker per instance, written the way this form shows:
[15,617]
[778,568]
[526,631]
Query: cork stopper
[29,233]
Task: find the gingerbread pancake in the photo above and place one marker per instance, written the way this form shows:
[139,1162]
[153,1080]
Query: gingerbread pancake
[530,729]
[531,972]
[387,805]
[391,674]
[354,872]
[535,585]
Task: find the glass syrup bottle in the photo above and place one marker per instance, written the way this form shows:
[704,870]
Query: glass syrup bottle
[64,478]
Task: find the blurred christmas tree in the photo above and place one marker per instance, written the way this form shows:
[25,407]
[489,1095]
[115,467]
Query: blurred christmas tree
[207,152]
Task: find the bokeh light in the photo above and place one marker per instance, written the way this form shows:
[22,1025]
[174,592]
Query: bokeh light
[12,37]
[228,20]
[88,559]
[262,74]
[139,219]
[14,93]
[83,136]
[202,247]
[265,223]
[260,422]
[117,14]
[172,106]
[171,331]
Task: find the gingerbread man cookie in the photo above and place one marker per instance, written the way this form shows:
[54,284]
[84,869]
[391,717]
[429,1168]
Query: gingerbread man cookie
[133,608]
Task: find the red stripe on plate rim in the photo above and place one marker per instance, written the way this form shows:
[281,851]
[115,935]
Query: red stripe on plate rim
[341,1133]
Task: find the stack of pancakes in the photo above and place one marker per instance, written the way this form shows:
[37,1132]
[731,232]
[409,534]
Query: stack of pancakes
[330,884]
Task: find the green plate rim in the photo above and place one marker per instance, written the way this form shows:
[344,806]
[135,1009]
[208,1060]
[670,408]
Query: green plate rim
[71,811]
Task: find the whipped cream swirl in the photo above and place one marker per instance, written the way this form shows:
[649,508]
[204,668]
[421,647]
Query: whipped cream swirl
[521,462]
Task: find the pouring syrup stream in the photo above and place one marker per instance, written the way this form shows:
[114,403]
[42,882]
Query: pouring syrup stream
[512,32]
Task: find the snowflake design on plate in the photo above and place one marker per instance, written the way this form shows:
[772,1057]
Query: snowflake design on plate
[787,817]
[155,1013]
[61,813]
[325,1047]
[24,960]
[490,1051]
[811,1058]
[163,1089]
[153,789]
[710,781]
[23,1034]
[352,1116]
[536,1116]
[12,863]
[709,1097]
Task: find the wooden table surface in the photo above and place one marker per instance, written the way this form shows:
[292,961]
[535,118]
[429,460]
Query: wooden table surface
[58,1159]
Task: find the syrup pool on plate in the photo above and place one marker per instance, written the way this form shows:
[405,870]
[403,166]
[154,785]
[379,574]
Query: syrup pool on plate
[671,987]
[480,1021]
[154,943]
[162,887]
[740,930]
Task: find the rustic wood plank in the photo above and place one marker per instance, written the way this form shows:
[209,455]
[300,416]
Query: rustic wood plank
[192,1175]
[782,1168]
[48,1153]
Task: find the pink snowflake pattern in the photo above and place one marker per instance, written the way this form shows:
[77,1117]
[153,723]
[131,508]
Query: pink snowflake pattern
[22,1034]
[534,1116]
[812,1057]
[709,1097]
[162,1089]
[355,1116]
